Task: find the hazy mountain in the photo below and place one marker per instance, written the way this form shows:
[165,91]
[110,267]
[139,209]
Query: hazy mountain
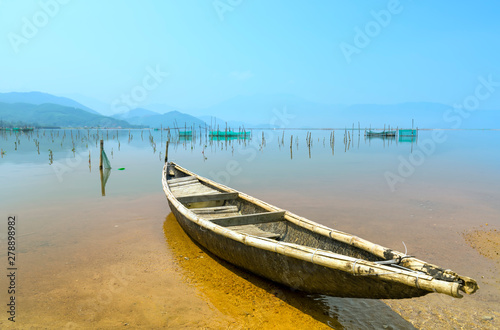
[282,111]
[216,121]
[101,107]
[170,119]
[294,112]
[49,114]
[41,98]
[237,112]
[135,113]
[424,114]
[163,108]
[276,110]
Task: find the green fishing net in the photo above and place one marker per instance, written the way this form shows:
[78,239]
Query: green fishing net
[105,160]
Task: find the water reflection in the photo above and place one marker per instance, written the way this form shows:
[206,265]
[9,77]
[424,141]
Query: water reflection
[327,148]
[410,139]
[54,142]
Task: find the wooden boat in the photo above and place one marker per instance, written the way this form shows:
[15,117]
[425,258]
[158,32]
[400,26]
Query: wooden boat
[295,251]
[381,134]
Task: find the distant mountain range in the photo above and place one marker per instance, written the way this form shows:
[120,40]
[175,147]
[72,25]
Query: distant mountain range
[290,111]
[255,111]
[135,114]
[41,98]
[54,115]
[153,119]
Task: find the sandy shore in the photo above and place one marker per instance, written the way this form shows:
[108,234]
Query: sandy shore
[486,241]
[481,311]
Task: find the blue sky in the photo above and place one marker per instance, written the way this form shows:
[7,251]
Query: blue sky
[205,52]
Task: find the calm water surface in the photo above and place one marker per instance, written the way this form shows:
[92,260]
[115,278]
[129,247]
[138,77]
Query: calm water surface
[425,193]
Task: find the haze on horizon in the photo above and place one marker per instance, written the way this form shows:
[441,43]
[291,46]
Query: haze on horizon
[194,54]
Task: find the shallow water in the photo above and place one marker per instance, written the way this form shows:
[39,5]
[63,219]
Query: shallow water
[87,259]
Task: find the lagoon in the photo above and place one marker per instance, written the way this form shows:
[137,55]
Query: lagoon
[88,259]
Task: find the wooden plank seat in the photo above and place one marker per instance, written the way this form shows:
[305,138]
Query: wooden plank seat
[250,219]
[184,184]
[215,209]
[215,212]
[182,178]
[207,197]
[182,181]
[195,188]
[255,231]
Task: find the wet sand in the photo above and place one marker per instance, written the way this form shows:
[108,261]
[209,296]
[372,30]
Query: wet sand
[485,241]
[443,312]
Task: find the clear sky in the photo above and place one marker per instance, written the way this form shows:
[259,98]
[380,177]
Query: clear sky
[214,50]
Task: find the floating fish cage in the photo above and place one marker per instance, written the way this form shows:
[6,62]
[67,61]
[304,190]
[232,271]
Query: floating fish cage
[229,134]
[407,132]
[407,135]
[17,129]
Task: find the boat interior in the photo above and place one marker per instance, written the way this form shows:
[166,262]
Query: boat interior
[230,210]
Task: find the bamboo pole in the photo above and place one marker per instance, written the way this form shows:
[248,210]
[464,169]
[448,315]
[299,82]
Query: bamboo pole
[103,187]
[100,154]
[166,152]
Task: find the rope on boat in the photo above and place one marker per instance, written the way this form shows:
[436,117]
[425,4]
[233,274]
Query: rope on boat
[354,267]
[312,261]
[368,274]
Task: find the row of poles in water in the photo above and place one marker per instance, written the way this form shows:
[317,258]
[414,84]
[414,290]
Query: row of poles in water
[348,139]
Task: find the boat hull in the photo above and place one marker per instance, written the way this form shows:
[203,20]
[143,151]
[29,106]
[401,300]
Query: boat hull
[297,252]
[291,272]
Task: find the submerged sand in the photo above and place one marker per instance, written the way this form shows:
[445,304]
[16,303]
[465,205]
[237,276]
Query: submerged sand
[481,311]
[249,301]
[127,272]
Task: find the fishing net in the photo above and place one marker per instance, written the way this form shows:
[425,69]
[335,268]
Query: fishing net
[105,160]
[105,172]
